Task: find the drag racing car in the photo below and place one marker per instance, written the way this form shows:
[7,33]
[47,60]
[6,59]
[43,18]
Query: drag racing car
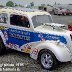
[35,33]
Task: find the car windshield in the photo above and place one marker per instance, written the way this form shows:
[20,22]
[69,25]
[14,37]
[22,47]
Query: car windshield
[41,19]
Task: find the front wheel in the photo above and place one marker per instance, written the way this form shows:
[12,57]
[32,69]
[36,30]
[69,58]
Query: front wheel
[47,59]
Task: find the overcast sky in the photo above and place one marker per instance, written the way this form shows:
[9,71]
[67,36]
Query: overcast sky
[37,2]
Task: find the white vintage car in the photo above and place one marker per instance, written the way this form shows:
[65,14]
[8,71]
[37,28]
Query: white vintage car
[34,32]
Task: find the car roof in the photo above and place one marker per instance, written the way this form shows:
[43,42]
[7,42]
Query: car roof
[18,10]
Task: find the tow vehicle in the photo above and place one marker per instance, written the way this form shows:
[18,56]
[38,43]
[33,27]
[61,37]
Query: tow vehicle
[34,32]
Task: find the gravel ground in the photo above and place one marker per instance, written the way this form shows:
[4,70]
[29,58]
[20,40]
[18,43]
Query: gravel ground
[30,65]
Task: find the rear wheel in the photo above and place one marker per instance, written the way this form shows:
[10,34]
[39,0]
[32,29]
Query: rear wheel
[47,59]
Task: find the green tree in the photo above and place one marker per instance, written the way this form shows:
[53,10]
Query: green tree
[20,5]
[10,4]
[16,5]
[32,4]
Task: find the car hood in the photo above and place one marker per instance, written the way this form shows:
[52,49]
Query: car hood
[52,28]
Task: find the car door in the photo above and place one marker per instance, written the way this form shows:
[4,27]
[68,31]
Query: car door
[18,32]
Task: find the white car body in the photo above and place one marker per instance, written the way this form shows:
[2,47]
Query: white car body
[47,36]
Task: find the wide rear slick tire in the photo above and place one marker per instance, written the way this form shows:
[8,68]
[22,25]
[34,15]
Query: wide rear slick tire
[47,59]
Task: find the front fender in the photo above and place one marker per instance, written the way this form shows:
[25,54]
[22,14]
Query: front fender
[61,52]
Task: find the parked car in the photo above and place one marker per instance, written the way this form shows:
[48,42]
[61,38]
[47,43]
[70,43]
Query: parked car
[57,11]
[68,12]
[70,26]
[34,32]
[62,11]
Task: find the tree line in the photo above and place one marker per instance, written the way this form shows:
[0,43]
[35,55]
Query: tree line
[12,4]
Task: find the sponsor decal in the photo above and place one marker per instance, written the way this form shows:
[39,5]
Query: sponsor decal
[10,45]
[14,46]
[26,49]
[6,35]
[35,51]
[18,36]
[2,27]
[53,37]
[41,36]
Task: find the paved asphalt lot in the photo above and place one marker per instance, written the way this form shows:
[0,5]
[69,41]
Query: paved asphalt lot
[62,19]
[28,64]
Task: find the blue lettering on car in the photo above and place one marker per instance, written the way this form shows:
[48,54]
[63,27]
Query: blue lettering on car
[21,37]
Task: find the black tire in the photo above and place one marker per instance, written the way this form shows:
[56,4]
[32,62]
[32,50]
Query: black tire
[64,14]
[2,47]
[54,60]
[59,14]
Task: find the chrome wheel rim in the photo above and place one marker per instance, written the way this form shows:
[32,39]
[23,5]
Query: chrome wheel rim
[46,60]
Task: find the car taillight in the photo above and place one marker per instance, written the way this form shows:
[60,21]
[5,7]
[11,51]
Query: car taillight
[71,36]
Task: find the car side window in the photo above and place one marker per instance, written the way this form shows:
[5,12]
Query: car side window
[19,20]
[3,18]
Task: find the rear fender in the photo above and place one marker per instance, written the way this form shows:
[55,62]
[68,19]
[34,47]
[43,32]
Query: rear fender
[3,38]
